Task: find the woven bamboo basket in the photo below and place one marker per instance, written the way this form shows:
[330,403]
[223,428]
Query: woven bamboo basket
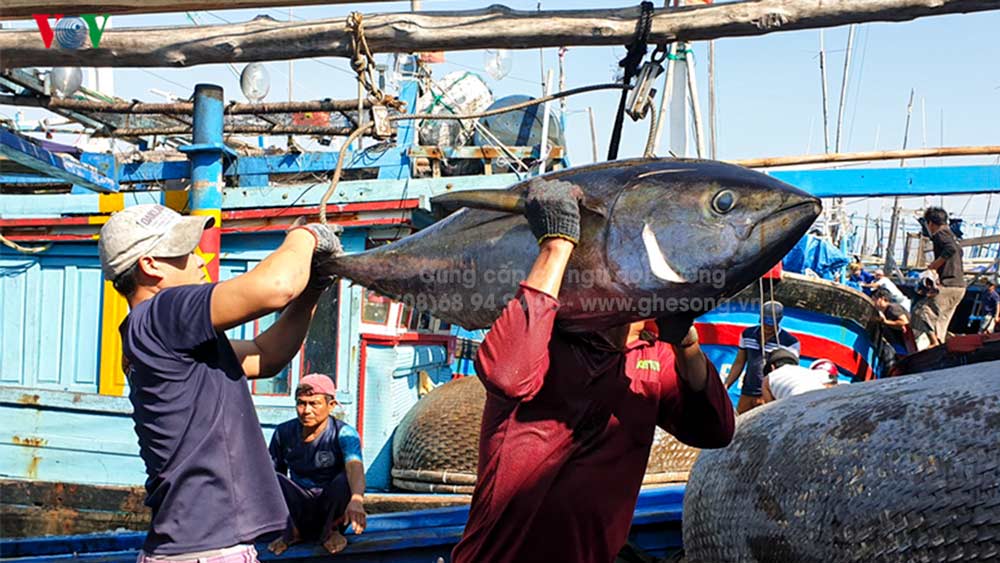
[436,446]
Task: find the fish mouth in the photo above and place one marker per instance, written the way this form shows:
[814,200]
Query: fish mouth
[798,215]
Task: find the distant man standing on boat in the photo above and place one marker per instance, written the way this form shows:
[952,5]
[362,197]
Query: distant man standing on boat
[318,461]
[211,485]
[756,342]
[990,310]
[948,264]
[569,418]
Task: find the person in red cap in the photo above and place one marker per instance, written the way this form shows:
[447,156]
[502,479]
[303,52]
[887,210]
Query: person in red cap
[569,418]
[322,477]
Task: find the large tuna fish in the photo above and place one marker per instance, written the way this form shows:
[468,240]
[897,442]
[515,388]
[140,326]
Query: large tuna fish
[897,470]
[657,236]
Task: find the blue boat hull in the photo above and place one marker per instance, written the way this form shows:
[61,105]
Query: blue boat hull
[416,536]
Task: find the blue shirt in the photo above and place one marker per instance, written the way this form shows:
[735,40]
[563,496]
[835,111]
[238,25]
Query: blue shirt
[210,484]
[750,341]
[990,301]
[314,464]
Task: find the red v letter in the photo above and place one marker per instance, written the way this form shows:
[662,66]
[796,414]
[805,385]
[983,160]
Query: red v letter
[44,28]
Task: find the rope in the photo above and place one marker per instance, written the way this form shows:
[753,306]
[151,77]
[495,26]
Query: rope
[340,168]
[368,127]
[25,249]
[636,51]
[651,138]
[363,62]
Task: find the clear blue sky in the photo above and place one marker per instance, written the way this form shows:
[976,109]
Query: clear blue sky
[768,87]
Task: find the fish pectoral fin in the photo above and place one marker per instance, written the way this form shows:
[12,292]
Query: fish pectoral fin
[657,262]
[497,200]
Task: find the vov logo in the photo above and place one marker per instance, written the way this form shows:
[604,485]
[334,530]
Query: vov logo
[71,32]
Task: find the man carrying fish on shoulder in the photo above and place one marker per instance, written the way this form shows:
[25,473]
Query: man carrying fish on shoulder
[569,417]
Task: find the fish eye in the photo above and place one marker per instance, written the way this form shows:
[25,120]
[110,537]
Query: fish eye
[724,201]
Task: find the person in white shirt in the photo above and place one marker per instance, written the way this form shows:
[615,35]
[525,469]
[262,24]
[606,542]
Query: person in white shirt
[786,377]
[882,281]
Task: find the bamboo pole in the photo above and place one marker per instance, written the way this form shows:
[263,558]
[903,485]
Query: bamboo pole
[179,108]
[770,162]
[543,148]
[843,88]
[593,131]
[264,38]
[699,128]
[668,88]
[25,9]
[229,130]
[711,100]
[890,261]
[822,76]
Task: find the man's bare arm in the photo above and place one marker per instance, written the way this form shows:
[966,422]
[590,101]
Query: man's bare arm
[272,285]
[355,513]
[270,351]
[737,370]
[547,272]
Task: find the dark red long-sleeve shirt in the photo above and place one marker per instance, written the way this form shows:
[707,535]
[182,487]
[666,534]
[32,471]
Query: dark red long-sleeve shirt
[566,434]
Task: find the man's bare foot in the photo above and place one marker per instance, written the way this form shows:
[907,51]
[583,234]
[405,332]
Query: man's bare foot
[278,546]
[335,543]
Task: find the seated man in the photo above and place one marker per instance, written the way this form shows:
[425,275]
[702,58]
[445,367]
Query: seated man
[858,278]
[785,377]
[893,316]
[325,488]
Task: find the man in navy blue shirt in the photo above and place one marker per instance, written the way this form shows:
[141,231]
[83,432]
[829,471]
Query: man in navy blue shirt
[755,344]
[991,313]
[318,460]
[210,483]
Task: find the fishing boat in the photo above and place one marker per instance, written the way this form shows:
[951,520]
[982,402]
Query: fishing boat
[829,319]
[69,467]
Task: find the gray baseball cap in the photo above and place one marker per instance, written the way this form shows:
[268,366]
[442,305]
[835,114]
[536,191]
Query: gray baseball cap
[147,230]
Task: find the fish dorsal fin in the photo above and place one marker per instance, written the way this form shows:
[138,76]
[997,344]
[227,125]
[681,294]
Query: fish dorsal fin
[505,201]
[492,200]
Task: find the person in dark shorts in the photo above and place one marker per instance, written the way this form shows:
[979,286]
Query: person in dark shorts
[569,418]
[948,264]
[322,477]
[894,317]
[756,342]
[210,483]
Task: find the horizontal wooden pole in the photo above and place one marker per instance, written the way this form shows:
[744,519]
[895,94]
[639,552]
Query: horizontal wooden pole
[978,241]
[179,108]
[771,162]
[265,39]
[24,9]
[229,130]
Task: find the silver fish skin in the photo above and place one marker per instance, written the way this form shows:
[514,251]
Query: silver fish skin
[659,237]
[896,470]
